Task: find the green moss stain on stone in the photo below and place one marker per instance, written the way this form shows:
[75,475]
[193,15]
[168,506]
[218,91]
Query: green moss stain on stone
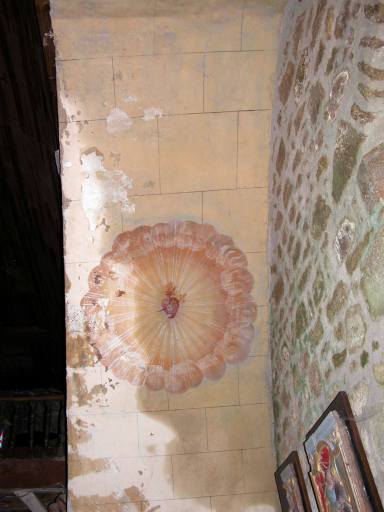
[286,82]
[354,258]
[296,253]
[303,279]
[361,116]
[301,320]
[339,331]
[318,287]
[331,60]
[280,159]
[320,217]
[375,345]
[339,358]
[290,243]
[348,142]
[316,334]
[307,246]
[278,290]
[355,328]
[278,221]
[276,409]
[378,372]
[370,177]
[322,166]
[372,42]
[368,93]
[315,101]
[372,282]
[375,12]
[370,71]
[299,117]
[317,21]
[364,358]
[287,193]
[338,300]
[342,20]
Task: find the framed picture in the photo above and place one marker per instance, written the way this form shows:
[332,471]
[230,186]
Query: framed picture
[339,470]
[291,486]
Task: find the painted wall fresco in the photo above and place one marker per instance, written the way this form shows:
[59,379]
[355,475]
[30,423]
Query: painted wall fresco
[165,111]
[170,305]
[327,222]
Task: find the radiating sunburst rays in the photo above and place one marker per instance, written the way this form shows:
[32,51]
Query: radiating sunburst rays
[170,305]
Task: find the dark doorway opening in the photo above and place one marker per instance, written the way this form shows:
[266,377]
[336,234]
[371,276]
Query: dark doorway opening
[32,310]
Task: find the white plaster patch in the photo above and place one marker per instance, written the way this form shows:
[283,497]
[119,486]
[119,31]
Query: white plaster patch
[74,318]
[67,164]
[102,188]
[152,113]
[130,98]
[137,471]
[118,121]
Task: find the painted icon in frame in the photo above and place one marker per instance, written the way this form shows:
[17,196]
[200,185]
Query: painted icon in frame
[291,485]
[339,471]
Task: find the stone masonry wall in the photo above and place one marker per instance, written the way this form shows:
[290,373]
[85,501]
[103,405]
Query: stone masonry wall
[327,220]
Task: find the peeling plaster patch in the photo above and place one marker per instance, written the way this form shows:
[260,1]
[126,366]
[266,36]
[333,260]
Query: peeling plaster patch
[135,495]
[79,352]
[74,318]
[84,466]
[118,121]
[77,434]
[79,394]
[152,113]
[130,99]
[102,188]
[111,485]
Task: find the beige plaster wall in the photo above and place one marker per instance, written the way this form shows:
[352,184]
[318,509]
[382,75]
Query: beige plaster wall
[165,114]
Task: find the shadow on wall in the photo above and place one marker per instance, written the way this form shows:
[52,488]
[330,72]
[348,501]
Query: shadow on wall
[176,433]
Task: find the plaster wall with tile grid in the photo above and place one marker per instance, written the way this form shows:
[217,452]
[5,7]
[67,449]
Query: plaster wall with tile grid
[165,112]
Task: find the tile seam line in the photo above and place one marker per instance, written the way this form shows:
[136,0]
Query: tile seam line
[173,477]
[206,191]
[272,491]
[202,52]
[243,469]
[158,154]
[126,413]
[237,149]
[165,115]
[146,412]
[113,82]
[242,25]
[180,454]
[202,496]
[222,495]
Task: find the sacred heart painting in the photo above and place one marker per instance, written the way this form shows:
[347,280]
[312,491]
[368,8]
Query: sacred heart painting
[170,305]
